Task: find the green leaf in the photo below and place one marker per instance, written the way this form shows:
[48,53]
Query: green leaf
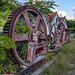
[6,42]
[41,6]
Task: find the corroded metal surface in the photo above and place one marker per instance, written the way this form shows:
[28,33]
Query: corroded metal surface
[9,30]
[33,67]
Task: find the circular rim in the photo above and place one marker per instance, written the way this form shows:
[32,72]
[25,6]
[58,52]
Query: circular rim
[23,10]
[60,26]
[53,33]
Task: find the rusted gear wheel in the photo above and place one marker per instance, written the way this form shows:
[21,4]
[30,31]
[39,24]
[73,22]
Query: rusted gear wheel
[54,31]
[24,16]
[61,27]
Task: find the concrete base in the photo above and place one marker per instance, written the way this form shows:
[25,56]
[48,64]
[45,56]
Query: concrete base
[43,67]
[56,50]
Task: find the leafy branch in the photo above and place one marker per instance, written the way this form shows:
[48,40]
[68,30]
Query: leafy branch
[41,6]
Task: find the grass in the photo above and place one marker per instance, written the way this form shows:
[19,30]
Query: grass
[63,61]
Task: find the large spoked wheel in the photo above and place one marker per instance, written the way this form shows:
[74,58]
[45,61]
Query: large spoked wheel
[54,32]
[23,19]
[61,27]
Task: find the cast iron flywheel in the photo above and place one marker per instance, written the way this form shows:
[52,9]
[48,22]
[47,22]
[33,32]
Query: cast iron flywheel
[53,33]
[61,27]
[21,17]
[54,29]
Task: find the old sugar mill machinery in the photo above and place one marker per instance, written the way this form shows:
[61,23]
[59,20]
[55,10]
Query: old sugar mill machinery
[31,46]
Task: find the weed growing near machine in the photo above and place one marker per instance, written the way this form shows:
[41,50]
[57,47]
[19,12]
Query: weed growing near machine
[64,61]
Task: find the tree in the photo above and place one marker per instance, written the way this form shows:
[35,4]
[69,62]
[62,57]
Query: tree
[71,24]
[6,43]
[41,6]
[5,7]
[9,4]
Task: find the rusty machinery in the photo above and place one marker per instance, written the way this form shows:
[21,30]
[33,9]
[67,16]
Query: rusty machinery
[58,33]
[35,42]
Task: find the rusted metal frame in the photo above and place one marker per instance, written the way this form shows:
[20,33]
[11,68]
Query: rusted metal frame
[33,67]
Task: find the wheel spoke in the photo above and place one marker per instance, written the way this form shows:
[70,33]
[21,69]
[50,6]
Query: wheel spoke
[20,37]
[27,19]
[37,22]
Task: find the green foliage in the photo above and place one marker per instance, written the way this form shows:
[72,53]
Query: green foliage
[9,4]
[61,63]
[21,28]
[50,72]
[71,24]
[55,40]
[10,69]
[30,16]
[3,55]
[5,7]
[49,55]
[22,49]
[6,42]
[49,41]
[41,6]
[74,35]
[67,52]
[3,18]
[50,44]
[63,60]
[69,48]
[70,31]
[6,65]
